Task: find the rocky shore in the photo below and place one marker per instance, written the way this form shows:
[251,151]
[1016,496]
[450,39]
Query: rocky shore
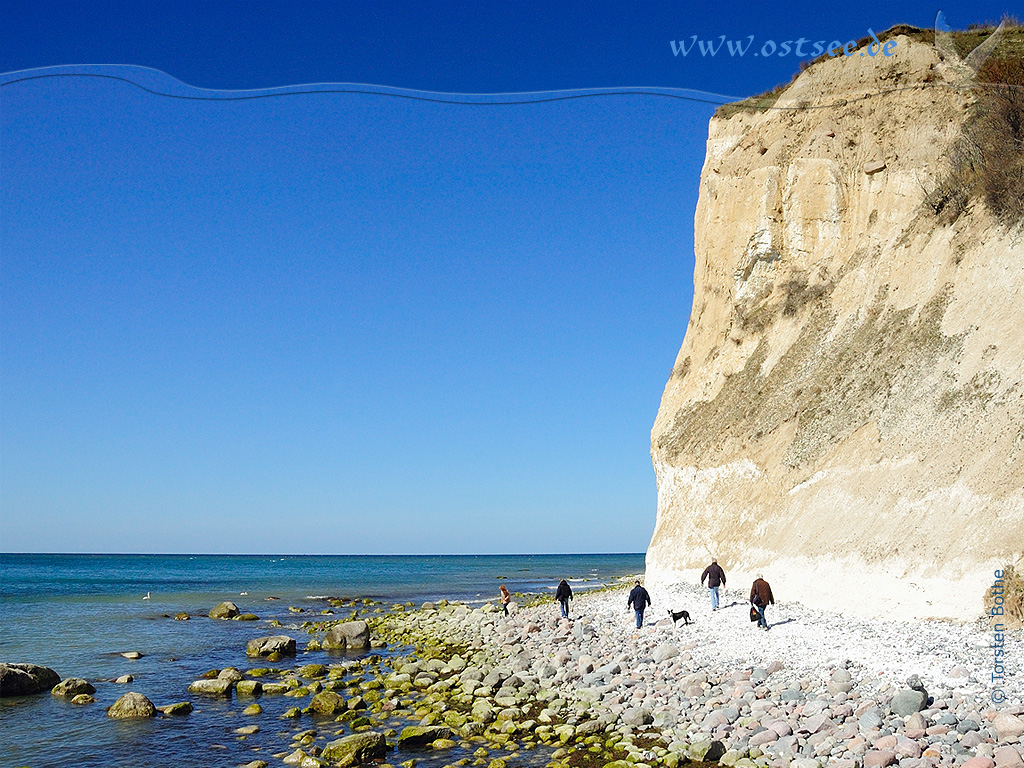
[450,684]
[815,690]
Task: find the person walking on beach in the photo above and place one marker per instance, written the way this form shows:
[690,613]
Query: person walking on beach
[563,595]
[639,600]
[716,578]
[506,598]
[761,597]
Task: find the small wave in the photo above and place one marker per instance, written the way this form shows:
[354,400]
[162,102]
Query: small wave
[317,597]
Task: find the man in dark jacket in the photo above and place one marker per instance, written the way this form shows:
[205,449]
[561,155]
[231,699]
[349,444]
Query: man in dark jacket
[716,578]
[563,595]
[761,597]
[639,600]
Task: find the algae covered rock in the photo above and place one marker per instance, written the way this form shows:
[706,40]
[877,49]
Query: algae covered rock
[176,710]
[353,635]
[131,706]
[216,687]
[23,679]
[356,749]
[248,688]
[275,645]
[226,610]
[68,689]
[421,735]
[327,703]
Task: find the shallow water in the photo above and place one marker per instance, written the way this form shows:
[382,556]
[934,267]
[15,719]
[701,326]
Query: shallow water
[77,613]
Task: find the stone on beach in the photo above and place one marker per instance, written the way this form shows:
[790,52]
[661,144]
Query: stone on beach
[1008,727]
[356,749]
[421,735]
[25,679]
[353,635]
[274,645]
[215,687]
[131,706]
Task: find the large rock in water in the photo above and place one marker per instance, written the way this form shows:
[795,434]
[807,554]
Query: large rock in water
[421,735]
[351,634]
[356,749]
[275,645]
[71,687]
[226,610]
[846,400]
[24,679]
[131,706]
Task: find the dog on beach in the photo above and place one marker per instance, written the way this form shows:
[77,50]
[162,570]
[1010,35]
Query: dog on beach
[677,615]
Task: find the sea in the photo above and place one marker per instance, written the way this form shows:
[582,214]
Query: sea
[77,613]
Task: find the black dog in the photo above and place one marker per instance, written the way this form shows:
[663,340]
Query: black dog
[676,616]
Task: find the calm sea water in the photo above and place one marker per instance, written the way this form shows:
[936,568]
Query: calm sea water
[77,613]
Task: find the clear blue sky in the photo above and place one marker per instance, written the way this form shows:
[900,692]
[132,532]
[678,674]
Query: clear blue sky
[339,323]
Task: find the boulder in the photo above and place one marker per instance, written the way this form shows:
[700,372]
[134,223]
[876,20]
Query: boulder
[246,617]
[908,702]
[180,708]
[1008,727]
[226,610]
[131,706]
[327,703]
[215,687]
[181,616]
[83,698]
[248,687]
[68,689]
[421,735]
[349,635]
[280,645]
[23,679]
[229,673]
[665,651]
[356,749]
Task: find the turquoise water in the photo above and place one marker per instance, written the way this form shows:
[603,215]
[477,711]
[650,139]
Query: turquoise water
[77,613]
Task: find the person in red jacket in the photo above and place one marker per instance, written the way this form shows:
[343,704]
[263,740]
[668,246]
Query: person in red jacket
[761,597]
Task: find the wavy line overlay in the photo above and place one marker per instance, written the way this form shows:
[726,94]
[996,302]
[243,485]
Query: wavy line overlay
[158,83]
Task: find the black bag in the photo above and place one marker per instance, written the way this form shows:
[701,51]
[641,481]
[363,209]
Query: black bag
[754,615]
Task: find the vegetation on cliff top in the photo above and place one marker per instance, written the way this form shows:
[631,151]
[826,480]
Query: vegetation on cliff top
[987,161]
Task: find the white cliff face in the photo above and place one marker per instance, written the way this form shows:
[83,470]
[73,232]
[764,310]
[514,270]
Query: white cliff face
[846,413]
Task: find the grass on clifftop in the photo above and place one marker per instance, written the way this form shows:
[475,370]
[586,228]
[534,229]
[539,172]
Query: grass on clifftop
[987,162]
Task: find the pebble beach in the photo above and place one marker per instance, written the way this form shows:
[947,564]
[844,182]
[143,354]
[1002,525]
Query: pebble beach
[439,684]
[815,690]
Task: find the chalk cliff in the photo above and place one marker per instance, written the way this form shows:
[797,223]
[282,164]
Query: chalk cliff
[846,413]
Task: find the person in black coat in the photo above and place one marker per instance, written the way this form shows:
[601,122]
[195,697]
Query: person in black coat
[716,578]
[639,600]
[563,595]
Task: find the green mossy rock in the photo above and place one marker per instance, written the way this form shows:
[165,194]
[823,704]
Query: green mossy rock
[327,703]
[356,749]
[177,710]
[71,687]
[421,735]
[131,706]
[226,610]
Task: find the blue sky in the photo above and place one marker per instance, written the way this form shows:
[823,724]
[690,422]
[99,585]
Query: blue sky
[353,323]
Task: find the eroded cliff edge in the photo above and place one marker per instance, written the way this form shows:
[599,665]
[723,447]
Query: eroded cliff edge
[846,413]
